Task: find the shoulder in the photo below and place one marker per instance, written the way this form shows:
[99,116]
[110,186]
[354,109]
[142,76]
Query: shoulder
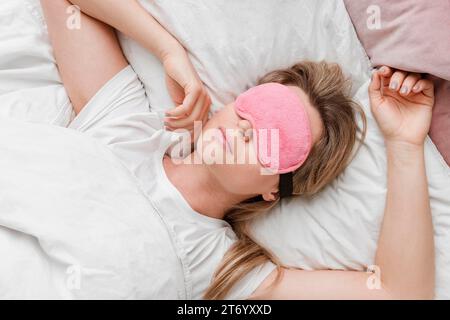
[127,128]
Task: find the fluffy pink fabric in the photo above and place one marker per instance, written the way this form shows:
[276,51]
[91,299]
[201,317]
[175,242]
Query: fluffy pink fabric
[276,109]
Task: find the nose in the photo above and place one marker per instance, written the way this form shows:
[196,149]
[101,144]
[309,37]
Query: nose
[245,129]
[245,124]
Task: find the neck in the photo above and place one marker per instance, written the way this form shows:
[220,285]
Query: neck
[200,189]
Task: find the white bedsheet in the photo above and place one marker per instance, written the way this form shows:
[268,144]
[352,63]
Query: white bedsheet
[73,242]
[338,229]
[30,87]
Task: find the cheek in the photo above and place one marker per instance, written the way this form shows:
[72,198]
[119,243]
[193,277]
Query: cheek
[252,153]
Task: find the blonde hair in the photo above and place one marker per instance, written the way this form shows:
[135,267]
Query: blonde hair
[329,92]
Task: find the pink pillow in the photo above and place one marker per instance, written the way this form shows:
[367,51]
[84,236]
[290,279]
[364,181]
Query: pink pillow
[440,124]
[411,35]
[414,35]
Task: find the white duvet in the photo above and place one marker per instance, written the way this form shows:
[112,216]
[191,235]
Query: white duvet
[231,43]
[98,236]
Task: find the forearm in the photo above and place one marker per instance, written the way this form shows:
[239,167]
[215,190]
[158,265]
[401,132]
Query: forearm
[405,252]
[129,17]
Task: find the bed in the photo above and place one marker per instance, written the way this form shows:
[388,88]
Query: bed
[337,229]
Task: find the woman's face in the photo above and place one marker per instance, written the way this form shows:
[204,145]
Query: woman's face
[227,147]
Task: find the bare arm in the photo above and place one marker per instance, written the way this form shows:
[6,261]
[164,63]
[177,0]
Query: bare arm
[405,248]
[405,255]
[184,85]
[87,57]
[130,18]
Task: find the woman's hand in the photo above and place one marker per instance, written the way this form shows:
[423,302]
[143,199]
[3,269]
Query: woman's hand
[183,83]
[187,92]
[402,104]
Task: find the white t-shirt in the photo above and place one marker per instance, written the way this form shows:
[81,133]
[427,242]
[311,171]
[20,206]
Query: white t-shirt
[119,116]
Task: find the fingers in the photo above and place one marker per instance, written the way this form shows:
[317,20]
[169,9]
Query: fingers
[403,82]
[378,82]
[397,79]
[424,86]
[189,102]
[202,103]
[399,82]
[375,85]
[409,83]
[386,72]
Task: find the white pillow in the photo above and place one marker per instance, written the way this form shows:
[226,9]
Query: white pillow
[30,86]
[232,44]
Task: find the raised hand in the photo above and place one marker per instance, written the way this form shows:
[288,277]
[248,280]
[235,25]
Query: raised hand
[187,91]
[402,104]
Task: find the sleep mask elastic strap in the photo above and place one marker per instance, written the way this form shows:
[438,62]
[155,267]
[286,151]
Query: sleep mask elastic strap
[286,186]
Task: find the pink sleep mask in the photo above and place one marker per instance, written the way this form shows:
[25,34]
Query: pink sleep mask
[280,124]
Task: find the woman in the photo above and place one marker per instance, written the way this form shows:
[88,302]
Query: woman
[198,197]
